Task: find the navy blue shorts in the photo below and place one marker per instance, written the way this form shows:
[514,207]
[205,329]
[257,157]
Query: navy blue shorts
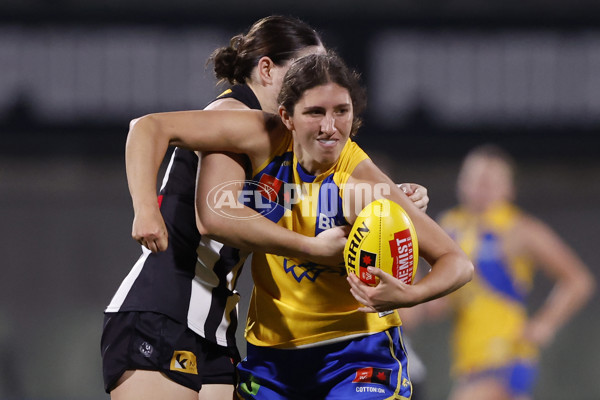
[155,342]
[368,367]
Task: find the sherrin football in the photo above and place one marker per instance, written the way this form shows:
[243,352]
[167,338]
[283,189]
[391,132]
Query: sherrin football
[382,236]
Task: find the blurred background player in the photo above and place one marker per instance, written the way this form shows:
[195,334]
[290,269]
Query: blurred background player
[494,342]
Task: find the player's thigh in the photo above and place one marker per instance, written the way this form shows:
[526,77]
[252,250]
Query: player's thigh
[487,388]
[216,392]
[149,385]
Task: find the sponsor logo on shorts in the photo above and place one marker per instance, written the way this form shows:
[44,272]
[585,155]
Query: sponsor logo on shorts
[379,376]
[251,386]
[184,361]
[369,389]
[146,349]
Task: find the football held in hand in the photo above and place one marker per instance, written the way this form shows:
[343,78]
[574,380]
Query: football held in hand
[384,237]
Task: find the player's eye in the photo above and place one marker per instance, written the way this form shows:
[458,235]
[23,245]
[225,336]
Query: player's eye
[342,111]
[314,111]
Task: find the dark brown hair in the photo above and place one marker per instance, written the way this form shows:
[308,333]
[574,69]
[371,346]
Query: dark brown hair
[319,69]
[278,37]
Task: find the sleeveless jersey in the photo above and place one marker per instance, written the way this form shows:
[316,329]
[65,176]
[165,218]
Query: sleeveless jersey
[194,280]
[295,302]
[490,311]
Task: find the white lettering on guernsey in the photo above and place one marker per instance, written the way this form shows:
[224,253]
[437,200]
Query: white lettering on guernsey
[325,222]
[293,193]
[369,389]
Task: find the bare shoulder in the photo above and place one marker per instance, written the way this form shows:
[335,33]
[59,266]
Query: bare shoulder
[227,104]
[527,225]
[367,183]
[271,122]
[533,237]
[367,171]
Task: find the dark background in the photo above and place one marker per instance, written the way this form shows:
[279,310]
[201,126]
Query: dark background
[441,78]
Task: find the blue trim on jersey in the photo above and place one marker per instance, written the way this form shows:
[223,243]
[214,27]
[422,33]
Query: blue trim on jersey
[299,272]
[493,268]
[369,367]
[279,170]
[305,176]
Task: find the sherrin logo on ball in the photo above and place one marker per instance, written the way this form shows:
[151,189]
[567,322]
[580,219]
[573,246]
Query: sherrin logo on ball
[384,237]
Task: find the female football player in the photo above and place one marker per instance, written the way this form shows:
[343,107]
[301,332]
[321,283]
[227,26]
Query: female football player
[309,334]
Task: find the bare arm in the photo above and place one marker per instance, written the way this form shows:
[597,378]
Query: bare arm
[450,270]
[150,136]
[241,227]
[574,283]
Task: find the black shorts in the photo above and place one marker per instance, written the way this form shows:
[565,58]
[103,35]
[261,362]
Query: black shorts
[155,342]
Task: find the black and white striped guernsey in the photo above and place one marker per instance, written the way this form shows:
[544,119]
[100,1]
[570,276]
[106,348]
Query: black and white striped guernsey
[194,280]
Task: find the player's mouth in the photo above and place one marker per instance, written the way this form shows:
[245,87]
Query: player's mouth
[327,142]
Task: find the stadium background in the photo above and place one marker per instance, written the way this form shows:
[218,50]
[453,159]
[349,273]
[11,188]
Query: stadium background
[441,77]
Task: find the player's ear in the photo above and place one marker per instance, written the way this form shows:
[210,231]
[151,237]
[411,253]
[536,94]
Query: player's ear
[286,118]
[265,67]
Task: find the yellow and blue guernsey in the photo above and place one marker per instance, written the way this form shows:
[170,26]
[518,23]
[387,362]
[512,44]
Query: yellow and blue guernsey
[306,339]
[490,310]
[298,303]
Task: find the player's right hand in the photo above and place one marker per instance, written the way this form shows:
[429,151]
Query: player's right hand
[329,246]
[149,229]
[389,294]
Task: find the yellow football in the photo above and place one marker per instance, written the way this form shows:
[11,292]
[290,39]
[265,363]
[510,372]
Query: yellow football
[382,236]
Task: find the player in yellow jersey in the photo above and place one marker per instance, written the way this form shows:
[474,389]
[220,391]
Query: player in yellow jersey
[310,334]
[495,343]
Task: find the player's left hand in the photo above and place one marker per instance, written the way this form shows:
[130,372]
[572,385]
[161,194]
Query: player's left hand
[538,332]
[389,294]
[416,193]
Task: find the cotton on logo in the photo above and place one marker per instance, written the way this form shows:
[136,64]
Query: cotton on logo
[226,197]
